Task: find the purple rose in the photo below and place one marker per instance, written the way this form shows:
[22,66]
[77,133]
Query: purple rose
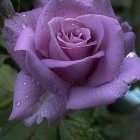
[74,54]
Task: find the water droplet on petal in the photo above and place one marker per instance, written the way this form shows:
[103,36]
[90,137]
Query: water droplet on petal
[23,26]
[18,104]
[24,83]
[131,54]
[24,15]
[29,35]
[42,20]
[27,96]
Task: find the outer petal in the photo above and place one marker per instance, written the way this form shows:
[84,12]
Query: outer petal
[44,75]
[129,38]
[103,7]
[130,70]
[13,28]
[129,42]
[113,44]
[27,93]
[73,70]
[86,97]
[126,27]
[68,9]
[35,67]
[74,8]
[24,43]
[53,108]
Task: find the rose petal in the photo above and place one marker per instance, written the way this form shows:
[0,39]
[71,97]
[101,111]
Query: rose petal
[24,43]
[67,27]
[13,28]
[130,70]
[44,75]
[27,93]
[103,7]
[55,51]
[129,42]
[74,41]
[53,108]
[85,97]
[96,28]
[113,44]
[77,53]
[73,70]
[74,8]
[51,29]
[126,27]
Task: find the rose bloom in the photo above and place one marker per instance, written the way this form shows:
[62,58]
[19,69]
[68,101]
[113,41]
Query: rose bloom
[73,54]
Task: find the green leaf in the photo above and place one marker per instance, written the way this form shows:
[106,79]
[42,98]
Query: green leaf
[18,131]
[72,130]
[7,78]
[2,43]
[3,58]
[43,132]
[84,116]
[112,130]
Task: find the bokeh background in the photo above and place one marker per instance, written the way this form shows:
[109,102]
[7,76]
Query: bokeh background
[119,121]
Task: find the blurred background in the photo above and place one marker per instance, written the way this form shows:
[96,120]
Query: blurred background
[119,121]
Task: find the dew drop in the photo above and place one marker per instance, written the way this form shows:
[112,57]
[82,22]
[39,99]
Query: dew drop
[18,104]
[131,54]
[68,18]
[23,26]
[42,20]
[24,83]
[29,35]
[27,96]
[22,101]
[49,105]
[24,15]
